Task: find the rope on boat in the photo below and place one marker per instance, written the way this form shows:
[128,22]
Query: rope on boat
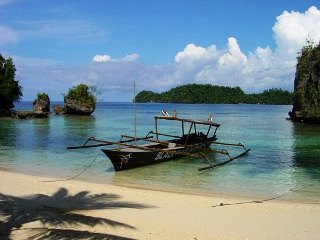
[78,174]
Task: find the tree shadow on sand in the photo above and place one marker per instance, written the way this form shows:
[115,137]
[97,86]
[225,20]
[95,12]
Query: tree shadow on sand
[59,215]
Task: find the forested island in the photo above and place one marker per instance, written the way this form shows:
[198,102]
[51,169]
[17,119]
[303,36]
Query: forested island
[207,93]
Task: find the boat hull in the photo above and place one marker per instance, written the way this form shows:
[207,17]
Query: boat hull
[128,158]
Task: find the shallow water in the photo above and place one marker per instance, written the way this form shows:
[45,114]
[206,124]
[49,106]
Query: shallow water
[284,160]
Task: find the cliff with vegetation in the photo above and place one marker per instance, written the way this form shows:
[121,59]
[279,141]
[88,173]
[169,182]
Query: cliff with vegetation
[306,107]
[206,93]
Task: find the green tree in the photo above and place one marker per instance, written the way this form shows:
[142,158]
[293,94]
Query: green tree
[82,95]
[147,96]
[10,90]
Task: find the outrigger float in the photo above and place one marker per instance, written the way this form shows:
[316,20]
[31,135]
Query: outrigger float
[127,153]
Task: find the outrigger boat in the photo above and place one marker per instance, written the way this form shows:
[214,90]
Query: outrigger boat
[151,150]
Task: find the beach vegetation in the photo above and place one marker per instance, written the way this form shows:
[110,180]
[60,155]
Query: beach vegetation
[308,65]
[10,90]
[42,96]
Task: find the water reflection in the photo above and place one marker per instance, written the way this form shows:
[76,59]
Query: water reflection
[40,133]
[8,132]
[306,160]
[8,141]
[306,148]
[70,130]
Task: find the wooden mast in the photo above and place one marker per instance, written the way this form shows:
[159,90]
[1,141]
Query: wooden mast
[134,111]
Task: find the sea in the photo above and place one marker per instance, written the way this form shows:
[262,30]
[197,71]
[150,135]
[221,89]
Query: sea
[284,161]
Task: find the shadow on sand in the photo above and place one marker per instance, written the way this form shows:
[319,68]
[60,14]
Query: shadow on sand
[59,215]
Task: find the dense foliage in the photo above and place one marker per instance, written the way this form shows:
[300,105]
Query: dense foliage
[82,95]
[308,63]
[206,93]
[10,90]
[43,96]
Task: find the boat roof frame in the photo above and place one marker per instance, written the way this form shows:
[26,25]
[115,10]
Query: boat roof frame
[192,122]
[201,122]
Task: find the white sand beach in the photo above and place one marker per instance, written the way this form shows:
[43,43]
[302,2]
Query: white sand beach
[38,206]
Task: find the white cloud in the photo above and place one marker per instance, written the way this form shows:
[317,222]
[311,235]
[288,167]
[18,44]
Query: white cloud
[293,28]
[264,68]
[106,58]
[192,54]
[102,58]
[7,35]
[233,57]
[130,57]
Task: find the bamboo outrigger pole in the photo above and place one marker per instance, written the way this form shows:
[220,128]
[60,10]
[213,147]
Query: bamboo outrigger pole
[105,143]
[225,162]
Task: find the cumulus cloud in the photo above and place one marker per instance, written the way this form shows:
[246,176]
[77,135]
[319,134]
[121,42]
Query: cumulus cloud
[255,71]
[293,28]
[102,58]
[7,35]
[106,58]
[258,70]
[193,54]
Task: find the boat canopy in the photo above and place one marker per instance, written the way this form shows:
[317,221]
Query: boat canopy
[201,122]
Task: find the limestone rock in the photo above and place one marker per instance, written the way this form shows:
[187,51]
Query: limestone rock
[72,107]
[59,110]
[24,114]
[306,107]
[41,106]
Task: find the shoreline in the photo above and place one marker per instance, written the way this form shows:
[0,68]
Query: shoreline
[187,191]
[147,214]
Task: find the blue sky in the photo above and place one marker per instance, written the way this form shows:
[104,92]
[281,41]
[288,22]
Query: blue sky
[159,44]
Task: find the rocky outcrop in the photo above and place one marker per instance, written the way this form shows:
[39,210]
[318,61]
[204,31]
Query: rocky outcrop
[59,110]
[24,114]
[79,100]
[41,106]
[72,107]
[306,107]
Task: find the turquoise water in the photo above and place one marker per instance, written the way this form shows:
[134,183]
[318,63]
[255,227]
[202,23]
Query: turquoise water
[284,160]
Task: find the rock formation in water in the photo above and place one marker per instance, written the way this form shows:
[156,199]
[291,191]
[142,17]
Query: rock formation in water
[59,110]
[306,107]
[41,106]
[73,107]
[79,100]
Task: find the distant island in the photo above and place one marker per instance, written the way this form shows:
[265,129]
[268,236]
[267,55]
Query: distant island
[207,93]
